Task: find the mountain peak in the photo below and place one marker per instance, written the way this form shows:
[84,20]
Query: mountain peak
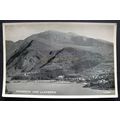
[52,32]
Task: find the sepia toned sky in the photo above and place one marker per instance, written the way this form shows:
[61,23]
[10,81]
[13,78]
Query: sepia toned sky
[20,31]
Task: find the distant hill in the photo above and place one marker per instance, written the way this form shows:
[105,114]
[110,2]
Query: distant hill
[56,52]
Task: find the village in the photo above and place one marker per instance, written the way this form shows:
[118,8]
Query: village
[79,78]
[101,81]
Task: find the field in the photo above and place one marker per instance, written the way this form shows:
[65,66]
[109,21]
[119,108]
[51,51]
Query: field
[52,88]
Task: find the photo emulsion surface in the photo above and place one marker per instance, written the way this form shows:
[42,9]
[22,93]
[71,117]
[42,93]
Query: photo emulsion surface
[59,60]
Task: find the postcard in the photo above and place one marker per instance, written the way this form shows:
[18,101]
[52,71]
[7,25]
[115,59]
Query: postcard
[60,60]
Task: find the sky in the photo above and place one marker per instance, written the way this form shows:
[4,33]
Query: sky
[20,31]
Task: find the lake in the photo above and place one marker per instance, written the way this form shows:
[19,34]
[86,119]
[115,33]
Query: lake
[41,87]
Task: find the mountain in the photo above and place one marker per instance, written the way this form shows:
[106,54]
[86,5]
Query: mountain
[11,47]
[52,53]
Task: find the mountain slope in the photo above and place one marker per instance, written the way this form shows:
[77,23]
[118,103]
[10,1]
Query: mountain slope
[56,52]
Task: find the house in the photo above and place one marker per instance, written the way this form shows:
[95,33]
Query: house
[74,77]
[60,77]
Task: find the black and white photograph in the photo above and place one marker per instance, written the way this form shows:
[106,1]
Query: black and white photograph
[59,60]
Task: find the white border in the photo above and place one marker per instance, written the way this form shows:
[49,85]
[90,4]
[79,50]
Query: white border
[59,96]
